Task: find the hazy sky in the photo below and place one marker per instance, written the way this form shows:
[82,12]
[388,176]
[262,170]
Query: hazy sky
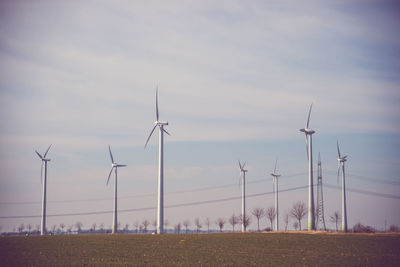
[235,81]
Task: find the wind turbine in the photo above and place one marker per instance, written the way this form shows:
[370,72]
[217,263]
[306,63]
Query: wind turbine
[160,208]
[43,176]
[243,174]
[341,161]
[114,167]
[275,177]
[308,134]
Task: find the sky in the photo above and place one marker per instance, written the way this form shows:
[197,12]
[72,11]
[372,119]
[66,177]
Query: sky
[235,79]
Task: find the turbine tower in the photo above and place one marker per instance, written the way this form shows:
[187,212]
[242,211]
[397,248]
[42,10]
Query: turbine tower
[341,161]
[243,174]
[275,177]
[43,177]
[320,199]
[308,134]
[160,207]
[114,166]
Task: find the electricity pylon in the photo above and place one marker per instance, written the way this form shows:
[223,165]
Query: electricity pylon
[320,217]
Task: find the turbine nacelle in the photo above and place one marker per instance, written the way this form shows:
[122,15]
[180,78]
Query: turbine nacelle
[113,164]
[241,167]
[273,174]
[307,131]
[159,123]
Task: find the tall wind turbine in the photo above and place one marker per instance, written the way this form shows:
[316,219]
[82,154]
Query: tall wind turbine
[308,134]
[43,176]
[114,166]
[243,174]
[160,207]
[275,177]
[341,161]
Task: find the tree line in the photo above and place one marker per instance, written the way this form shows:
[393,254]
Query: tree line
[297,212]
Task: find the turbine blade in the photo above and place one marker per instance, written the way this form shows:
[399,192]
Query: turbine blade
[240,165]
[111,156]
[165,131]
[121,165]
[40,156]
[47,151]
[338,150]
[108,179]
[309,113]
[157,103]
[148,138]
[244,164]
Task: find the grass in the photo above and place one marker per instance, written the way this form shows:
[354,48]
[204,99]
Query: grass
[226,249]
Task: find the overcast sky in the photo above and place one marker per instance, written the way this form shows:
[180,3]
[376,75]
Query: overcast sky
[235,78]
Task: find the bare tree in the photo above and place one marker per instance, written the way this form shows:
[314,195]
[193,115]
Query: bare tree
[62,226]
[198,224]
[246,220]
[233,220]
[69,229]
[94,227]
[29,228]
[335,218]
[136,225]
[126,228]
[298,211]
[271,215]
[21,228]
[177,228]
[166,223]
[186,223]
[207,222]
[53,229]
[78,226]
[286,219]
[101,227]
[295,225]
[140,228]
[258,213]
[145,224]
[220,222]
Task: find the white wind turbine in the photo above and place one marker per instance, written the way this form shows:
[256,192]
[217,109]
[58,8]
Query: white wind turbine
[114,167]
[43,176]
[341,161]
[308,132]
[243,174]
[160,207]
[275,177]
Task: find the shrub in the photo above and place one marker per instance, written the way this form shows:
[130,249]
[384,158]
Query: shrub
[394,228]
[359,228]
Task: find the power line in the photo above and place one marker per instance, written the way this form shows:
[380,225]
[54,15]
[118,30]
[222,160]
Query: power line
[366,178]
[363,191]
[203,202]
[153,208]
[149,194]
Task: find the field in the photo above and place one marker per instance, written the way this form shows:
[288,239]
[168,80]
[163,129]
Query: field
[225,249]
